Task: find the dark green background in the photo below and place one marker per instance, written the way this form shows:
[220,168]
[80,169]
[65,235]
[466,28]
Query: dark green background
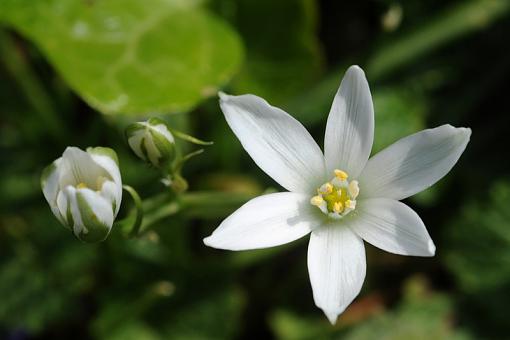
[442,62]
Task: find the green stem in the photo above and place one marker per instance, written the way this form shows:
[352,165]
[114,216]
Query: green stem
[188,138]
[205,204]
[135,229]
[30,85]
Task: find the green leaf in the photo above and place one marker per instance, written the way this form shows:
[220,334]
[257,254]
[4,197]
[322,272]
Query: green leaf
[130,56]
[283,53]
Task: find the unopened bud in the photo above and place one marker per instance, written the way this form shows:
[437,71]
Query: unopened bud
[152,142]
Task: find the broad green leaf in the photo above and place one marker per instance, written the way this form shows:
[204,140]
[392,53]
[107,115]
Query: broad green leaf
[130,56]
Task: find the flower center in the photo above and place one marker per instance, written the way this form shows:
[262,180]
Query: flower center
[97,186]
[337,197]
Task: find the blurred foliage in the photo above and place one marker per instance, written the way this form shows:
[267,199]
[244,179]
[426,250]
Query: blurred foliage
[479,257]
[283,56]
[65,62]
[122,56]
[420,315]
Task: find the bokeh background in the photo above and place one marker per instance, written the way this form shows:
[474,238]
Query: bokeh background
[76,72]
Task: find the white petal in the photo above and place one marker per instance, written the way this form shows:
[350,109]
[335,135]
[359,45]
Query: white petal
[266,221]
[350,127]
[63,206]
[100,209]
[69,204]
[337,266]
[278,143]
[92,214]
[163,129]
[135,142]
[50,187]
[106,158]
[392,226]
[110,192]
[413,163]
[77,166]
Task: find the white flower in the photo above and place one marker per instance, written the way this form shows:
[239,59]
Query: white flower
[84,191]
[341,197]
[152,142]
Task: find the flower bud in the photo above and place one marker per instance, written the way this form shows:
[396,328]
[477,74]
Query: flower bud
[152,142]
[84,191]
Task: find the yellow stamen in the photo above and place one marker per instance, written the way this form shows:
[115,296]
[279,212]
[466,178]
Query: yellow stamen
[81,186]
[326,188]
[317,200]
[350,204]
[341,175]
[337,197]
[354,189]
[338,207]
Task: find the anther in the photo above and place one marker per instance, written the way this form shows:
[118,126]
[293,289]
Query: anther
[341,175]
[350,204]
[338,207]
[317,200]
[326,188]
[354,189]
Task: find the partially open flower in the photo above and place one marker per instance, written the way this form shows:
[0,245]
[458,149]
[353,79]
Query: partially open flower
[84,191]
[152,142]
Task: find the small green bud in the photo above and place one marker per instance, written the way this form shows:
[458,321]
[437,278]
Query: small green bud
[152,142]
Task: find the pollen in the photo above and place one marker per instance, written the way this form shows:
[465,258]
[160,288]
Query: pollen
[317,200]
[337,197]
[81,185]
[341,175]
[338,207]
[326,188]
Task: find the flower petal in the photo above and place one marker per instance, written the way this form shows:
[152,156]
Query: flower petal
[413,163]
[277,142]
[50,187]
[96,213]
[266,221]
[77,166]
[337,266]
[92,215]
[110,192]
[392,226]
[350,127]
[106,158]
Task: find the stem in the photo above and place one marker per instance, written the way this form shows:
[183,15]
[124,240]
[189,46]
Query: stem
[135,229]
[206,204]
[188,138]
